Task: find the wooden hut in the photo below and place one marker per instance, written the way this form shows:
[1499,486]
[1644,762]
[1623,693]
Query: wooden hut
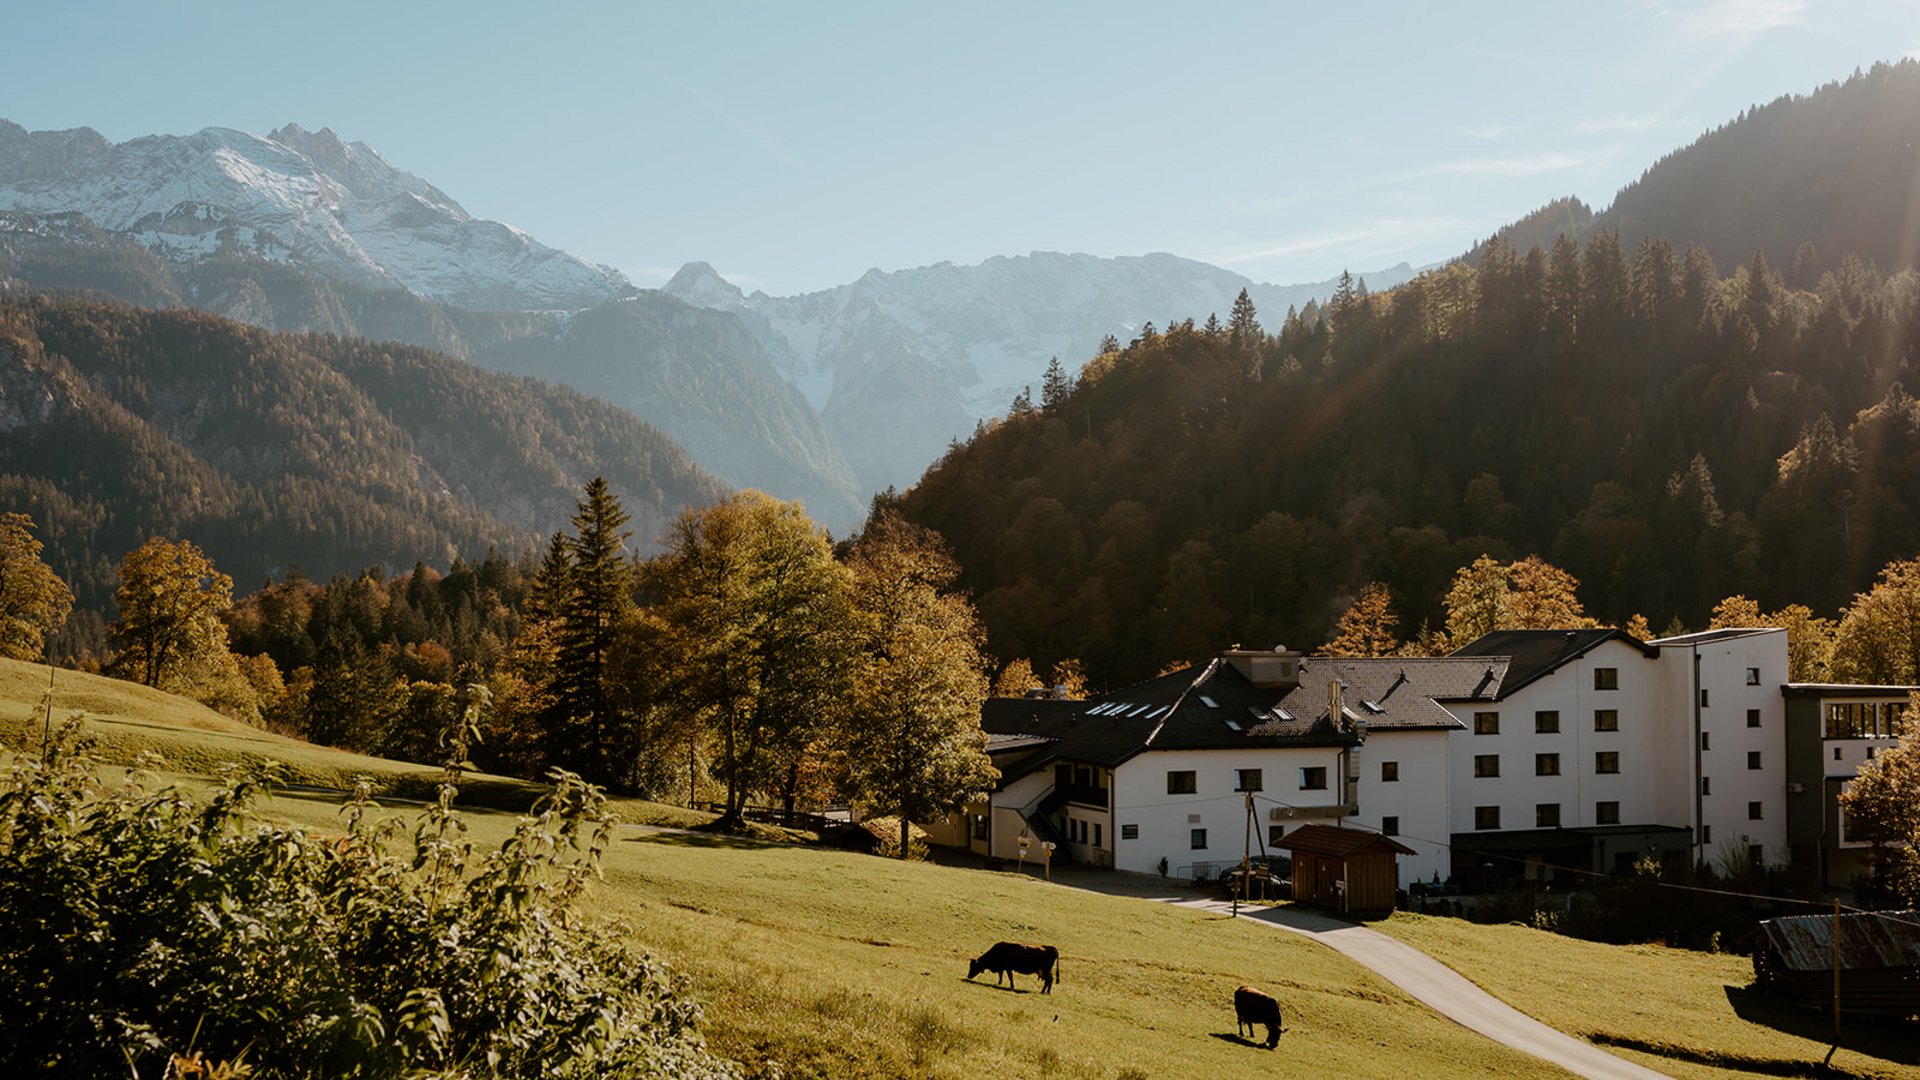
[1878,953]
[1344,869]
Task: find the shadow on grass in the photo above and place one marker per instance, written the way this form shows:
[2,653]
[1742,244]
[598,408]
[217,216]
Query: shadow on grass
[1238,1039]
[1891,1040]
[1004,988]
[704,838]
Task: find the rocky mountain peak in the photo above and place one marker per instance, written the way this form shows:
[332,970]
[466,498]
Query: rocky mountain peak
[699,284]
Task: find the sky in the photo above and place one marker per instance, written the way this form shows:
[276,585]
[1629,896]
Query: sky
[796,145]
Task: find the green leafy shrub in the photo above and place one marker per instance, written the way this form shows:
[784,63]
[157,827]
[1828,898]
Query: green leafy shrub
[143,931]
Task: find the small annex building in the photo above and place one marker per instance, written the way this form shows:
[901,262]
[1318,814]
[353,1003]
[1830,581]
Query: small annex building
[1344,870]
[1878,953]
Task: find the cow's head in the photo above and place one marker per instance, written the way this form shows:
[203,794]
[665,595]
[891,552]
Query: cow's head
[975,966]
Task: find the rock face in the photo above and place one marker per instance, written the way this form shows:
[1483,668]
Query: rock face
[900,363]
[294,196]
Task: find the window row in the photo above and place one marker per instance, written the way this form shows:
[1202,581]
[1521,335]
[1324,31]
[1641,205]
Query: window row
[1187,781]
[1547,721]
[1078,832]
[1545,816]
[1488,765]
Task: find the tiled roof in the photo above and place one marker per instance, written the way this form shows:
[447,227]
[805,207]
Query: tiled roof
[1534,653]
[1203,708]
[1337,843]
[1396,693]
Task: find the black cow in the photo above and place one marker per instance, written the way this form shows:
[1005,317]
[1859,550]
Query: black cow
[1252,1007]
[1006,959]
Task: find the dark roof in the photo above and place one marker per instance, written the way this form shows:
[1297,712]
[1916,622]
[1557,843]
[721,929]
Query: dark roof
[1809,689]
[1395,693]
[1703,637]
[1887,939]
[1338,843]
[1534,653]
[1204,708]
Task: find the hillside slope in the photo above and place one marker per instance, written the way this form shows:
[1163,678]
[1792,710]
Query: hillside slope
[271,450]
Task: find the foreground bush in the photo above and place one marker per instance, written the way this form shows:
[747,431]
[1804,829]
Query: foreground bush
[143,931]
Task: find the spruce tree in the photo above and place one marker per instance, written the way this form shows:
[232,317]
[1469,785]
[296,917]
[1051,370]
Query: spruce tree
[600,594]
[1055,386]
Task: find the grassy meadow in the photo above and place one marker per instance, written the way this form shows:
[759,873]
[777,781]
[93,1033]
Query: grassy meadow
[1688,1014]
[835,964]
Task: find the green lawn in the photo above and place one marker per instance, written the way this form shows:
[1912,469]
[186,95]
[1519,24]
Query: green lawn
[1689,1014]
[833,964]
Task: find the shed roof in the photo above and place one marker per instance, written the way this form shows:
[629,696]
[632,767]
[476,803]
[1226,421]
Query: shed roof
[1873,939]
[1338,843]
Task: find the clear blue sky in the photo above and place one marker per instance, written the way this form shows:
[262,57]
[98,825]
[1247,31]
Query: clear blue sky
[794,145]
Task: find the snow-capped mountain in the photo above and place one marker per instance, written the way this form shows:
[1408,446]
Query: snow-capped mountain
[900,363]
[294,196]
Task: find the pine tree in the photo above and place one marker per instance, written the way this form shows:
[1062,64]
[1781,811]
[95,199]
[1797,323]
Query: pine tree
[1055,386]
[1022,403]
[599,594]
[1243,327]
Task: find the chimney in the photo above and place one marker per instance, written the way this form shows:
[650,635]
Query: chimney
[1278,668]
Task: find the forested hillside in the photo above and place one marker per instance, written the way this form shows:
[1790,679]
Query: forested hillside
[275,450]
[1668,434]
[697,375]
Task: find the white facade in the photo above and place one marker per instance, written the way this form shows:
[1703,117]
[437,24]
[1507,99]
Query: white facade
[1201,832]
[1680,743]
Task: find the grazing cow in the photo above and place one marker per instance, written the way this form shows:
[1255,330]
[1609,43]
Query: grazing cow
[1252,1007]
[1006,959]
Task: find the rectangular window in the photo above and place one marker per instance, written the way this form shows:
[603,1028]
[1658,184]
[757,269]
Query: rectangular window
[1389,772]
[1606,813]
[1706,834]
[1486,723]
[1546,815]
[1706,785]
[1096,834]
[1753,759]
[1180,783]
[1313,778]
[1389,826]
[1197,839]
[1129,832]
[1606,761]
[1606,719]
[1836,753]
[1706,740]
[1753,811]
[1703,697]
[1753,676]
[1546,764]
[1485,765]
[1246,779]
[1546,722]
[1486,817]
[1757,854]
[1753,717]
[1275,834]
[1606,678]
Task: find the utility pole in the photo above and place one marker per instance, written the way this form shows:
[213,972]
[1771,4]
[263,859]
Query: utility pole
[1246,858]
[1836,986]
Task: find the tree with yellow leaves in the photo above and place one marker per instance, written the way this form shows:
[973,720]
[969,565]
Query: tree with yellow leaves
[1878,640]
[1368,627]
[1530,594]
[1882,804]
[33,599]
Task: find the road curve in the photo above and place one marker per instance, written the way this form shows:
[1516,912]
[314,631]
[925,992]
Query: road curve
[1442,989]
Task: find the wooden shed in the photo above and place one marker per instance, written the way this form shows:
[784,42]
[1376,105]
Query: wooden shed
[1878,952]
[1344,869]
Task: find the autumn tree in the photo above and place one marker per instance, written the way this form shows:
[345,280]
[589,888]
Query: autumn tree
[1530,594]
[1736,613]
[1368,627]
[1067,679]
[1809,642]
[1878,640]
[1016,679]
[33,599]
[169,630]
[756,616]
[914,744]
[1882,804]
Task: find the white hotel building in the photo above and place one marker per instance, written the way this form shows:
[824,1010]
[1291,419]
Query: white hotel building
[1522,755]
